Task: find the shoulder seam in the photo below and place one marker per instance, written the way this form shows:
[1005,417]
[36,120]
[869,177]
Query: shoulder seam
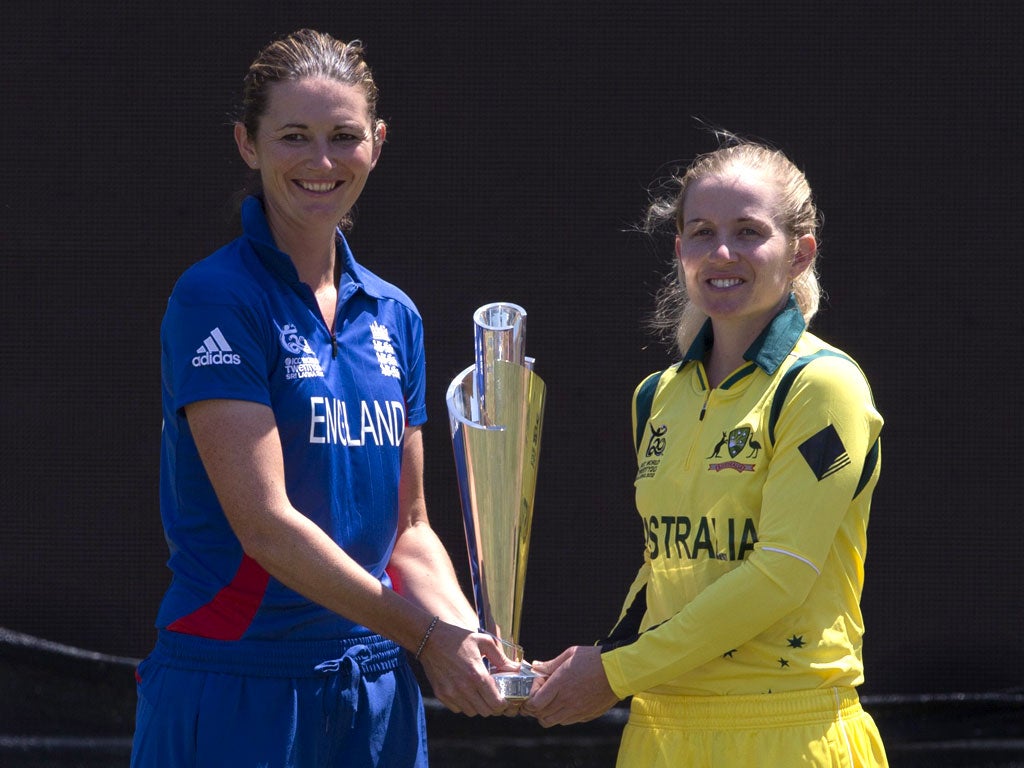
[786,383]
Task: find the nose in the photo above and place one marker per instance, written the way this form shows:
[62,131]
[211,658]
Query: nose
[722,251]
[320,155]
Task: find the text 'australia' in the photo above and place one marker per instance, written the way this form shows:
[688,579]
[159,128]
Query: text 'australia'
[377,423]
[671,536]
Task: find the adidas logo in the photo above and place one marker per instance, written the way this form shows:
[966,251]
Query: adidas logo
[215,351]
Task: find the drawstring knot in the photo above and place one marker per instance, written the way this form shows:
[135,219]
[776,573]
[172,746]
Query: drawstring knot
[348,666]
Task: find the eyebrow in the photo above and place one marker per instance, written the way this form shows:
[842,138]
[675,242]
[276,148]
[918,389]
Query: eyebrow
[740,220]
[338,127]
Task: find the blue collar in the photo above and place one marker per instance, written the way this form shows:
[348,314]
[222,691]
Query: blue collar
[769,349]
[257,232]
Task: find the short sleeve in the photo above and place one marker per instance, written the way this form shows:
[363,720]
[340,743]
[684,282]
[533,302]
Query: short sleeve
[212,345]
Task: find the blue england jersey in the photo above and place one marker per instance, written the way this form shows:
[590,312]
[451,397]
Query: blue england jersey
[240,325]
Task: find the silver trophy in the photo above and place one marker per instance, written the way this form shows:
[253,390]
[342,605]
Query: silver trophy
[496,410]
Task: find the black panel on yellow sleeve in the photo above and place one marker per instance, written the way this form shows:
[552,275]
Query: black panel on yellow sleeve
[628,628]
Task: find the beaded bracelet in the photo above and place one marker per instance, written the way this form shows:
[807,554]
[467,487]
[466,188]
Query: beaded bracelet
[426,636]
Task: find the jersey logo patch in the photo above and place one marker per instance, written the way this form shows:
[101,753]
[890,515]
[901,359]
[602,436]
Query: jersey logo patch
[738,440]
[301,361]
[215,350]
[656,445]
[385,352]
[735,442]
[825,453]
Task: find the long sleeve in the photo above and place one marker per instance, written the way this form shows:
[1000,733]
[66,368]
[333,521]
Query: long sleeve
[755,561]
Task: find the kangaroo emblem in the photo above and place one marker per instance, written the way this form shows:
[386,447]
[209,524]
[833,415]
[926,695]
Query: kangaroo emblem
[718,447]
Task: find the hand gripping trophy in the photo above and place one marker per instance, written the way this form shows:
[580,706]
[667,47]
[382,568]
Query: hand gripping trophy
[496,410]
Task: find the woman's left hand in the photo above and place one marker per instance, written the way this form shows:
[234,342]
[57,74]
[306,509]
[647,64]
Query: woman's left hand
[575,691]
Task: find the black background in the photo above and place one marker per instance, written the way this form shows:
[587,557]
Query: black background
[523,141]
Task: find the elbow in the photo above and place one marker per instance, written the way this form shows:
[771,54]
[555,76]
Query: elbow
[260,539]
[256,547]
[790,577]
[261,550]
[795,595]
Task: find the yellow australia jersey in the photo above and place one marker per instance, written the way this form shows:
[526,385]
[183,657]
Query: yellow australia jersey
[754,499]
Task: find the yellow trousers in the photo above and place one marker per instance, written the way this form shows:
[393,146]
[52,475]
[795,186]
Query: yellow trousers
[822,728]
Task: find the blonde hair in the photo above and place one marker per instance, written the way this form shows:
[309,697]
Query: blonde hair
[676,318]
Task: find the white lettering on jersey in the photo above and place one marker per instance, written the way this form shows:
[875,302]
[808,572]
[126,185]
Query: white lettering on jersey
[301,362]
[379,423]
[215,350]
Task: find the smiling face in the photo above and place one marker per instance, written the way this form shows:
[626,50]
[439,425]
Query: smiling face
[314,148]
[736,259]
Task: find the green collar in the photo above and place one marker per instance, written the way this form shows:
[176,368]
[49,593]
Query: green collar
[769,349]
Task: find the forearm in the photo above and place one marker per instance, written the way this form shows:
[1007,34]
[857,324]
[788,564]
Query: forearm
[241,451]
[300,555]
[736,608]
[422,572]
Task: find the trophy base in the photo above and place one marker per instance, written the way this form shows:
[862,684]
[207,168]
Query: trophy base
[514,686]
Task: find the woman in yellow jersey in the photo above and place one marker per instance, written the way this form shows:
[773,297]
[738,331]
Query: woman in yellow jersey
[740,638]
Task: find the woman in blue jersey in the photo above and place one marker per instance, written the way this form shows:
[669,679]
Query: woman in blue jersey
[740,638]
[304,565]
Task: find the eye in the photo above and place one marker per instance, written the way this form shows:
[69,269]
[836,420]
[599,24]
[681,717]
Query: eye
[751,233]
[345,137]
[293,138]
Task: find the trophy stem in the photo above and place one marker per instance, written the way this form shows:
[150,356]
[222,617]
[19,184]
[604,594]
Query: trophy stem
[499,335]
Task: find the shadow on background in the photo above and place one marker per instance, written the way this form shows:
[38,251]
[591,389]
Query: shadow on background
[63,707]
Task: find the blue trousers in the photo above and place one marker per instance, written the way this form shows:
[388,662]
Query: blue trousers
[265,704]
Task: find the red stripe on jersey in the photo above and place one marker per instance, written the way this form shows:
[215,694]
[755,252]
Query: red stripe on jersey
[396,582]
[229,614]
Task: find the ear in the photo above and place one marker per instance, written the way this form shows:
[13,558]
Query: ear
[806,247]
[380,131]
[679,249]
[246,147]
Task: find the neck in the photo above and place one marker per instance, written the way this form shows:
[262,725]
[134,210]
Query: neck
[726,354]
[315,265]
[312,251]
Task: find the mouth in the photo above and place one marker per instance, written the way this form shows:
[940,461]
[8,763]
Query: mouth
[724,282]
[318,186]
